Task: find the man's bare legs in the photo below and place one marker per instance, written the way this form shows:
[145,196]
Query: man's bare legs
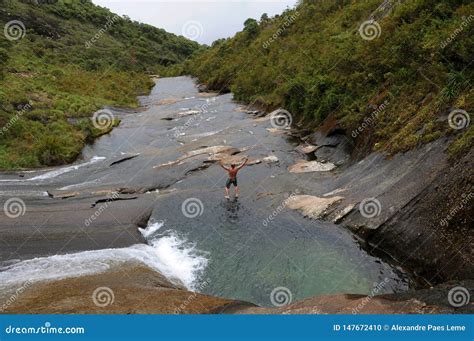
[226,193]
[236,191]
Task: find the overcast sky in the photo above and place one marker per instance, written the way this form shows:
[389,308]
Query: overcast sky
[200,20]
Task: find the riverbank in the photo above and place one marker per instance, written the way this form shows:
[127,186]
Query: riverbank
[138,290]
[157,171]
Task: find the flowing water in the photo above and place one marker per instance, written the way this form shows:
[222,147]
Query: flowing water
[240,248]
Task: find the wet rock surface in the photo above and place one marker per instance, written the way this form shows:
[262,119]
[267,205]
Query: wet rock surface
[100,202]
[138,290]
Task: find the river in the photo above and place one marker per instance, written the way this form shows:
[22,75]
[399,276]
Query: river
[239,248]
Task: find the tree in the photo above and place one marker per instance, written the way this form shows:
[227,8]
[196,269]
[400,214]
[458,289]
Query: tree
[251,27]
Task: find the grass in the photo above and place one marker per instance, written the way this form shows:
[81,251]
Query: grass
[51,83]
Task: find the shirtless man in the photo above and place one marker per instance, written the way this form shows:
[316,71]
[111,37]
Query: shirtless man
[232,177]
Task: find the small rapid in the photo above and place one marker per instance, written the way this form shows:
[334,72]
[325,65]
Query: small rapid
[169,255]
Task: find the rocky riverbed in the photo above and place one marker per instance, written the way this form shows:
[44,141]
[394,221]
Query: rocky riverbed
[142,217]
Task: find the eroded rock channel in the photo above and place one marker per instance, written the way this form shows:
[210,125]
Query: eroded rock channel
[146,205]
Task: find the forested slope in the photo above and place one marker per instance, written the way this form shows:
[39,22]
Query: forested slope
[388,73]
[60,61]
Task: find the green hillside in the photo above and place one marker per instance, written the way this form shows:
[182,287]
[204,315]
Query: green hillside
[390,84]
[60,61]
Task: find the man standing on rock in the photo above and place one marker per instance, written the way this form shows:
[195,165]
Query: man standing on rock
[232,180]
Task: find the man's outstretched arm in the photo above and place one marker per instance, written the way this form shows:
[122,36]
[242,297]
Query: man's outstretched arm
[245,162]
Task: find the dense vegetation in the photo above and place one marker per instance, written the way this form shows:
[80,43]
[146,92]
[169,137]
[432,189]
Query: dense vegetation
[399,86]
[72,59]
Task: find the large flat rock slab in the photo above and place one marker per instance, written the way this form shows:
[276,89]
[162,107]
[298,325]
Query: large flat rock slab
[311,206]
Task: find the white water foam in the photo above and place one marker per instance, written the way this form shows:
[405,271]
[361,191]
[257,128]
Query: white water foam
[60,171]
[82,184]
[169,255]
[180,258]
[151,229]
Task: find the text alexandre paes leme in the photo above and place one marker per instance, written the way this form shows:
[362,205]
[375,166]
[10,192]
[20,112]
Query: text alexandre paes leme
[429,327]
